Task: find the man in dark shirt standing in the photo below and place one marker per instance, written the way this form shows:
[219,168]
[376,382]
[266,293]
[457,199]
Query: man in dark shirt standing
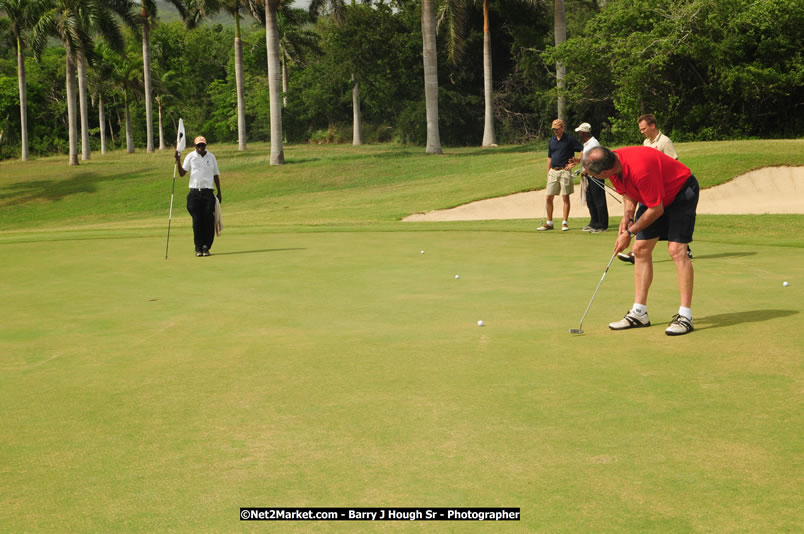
[561,150]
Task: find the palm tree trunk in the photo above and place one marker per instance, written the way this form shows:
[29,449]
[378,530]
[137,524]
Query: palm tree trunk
[430,61]
[111,130]
[274,81]
[489,138]
[285,85]
[129,133]
[102,123]
[86,152]
[23,84]
[161,128]
[71,115]
[241,98]
[146,78]
[357,127]
[561,71]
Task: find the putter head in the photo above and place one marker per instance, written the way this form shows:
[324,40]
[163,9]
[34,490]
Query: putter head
[576,331]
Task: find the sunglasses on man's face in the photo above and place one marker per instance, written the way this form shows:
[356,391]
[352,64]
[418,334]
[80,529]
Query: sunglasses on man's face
[201,145]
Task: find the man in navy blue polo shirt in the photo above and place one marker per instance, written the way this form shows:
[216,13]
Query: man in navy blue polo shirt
[560,151]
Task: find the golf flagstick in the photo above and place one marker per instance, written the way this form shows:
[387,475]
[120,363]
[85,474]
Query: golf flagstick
[170,215]
[181,144]
[579,330]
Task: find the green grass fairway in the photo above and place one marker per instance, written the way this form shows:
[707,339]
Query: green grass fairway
[346,369]
[319,359]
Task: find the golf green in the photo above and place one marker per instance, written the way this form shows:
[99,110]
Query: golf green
[346,368]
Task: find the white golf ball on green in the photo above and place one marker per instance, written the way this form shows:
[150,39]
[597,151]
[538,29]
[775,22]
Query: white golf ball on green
[785,284]
[481,323]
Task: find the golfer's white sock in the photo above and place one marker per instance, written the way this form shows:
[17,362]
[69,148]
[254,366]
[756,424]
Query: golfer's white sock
[639,309]
[686,312]
[549,223]
[564,221]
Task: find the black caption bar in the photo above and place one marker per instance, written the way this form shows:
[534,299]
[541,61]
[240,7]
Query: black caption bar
[379,514]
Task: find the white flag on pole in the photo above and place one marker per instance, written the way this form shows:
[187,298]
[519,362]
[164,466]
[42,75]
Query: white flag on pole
[181,138]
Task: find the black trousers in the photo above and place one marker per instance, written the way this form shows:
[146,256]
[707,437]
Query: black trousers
[596,202]
[201,205]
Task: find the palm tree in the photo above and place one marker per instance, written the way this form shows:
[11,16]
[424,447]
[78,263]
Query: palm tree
[294,42]
[22,15]
[100,18]
[560,23]
[63,19]
[126,77]
[164,95]
[236,8]
[274,77]
[72,21]
[148,20]
[337,8]
[430,60]
[452,14]
[99,82]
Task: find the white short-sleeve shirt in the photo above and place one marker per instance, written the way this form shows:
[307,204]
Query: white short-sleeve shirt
[589,144]
[202,169]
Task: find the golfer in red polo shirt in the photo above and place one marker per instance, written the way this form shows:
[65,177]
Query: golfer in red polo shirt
[667,194]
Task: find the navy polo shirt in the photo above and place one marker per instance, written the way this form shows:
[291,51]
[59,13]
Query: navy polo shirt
[560,151]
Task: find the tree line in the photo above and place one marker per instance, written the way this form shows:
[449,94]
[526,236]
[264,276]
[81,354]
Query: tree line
[78,76]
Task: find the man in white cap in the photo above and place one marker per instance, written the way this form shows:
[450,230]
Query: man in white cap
[560,151]
[595,189]
[203,169]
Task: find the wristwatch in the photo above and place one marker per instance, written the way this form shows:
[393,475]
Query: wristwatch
[628,228]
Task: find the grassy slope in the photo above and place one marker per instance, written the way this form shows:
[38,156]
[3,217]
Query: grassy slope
[330,185]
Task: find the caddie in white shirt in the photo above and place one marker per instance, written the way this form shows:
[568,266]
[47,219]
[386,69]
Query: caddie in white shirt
[595,189]
[203,168]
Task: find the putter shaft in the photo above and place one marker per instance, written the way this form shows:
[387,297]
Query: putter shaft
[580,327]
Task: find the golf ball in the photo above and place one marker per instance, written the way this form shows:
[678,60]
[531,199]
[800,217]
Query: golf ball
[785,284]
[481,323]
[458,276]
[422,252]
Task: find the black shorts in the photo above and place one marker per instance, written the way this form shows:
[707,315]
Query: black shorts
[677,223]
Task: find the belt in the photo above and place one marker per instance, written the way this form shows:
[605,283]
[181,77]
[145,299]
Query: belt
[557,168]
[200,189]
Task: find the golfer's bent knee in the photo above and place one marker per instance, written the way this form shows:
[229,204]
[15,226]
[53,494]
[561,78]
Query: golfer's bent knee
[678,251]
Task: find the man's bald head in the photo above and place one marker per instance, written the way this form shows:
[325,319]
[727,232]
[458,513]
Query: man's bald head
[598,159]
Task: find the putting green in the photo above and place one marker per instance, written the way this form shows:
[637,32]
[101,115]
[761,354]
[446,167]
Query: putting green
[347,369]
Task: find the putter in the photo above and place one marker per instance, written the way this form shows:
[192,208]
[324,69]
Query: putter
[579,330]
[605,187]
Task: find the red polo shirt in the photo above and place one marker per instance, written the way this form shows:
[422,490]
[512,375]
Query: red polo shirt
[650,177]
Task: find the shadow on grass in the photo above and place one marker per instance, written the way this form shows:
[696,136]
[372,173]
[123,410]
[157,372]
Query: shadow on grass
[722,255]
[296,161]
[85,182]
[256,251]
[733,319]
[490,151]
[710,256]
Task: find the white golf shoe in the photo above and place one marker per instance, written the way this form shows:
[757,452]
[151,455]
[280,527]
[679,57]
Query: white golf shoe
[679,326]
[631,320]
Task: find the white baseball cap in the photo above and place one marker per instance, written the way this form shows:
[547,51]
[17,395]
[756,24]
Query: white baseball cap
[584,127]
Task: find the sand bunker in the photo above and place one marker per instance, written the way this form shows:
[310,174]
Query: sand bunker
[767,190]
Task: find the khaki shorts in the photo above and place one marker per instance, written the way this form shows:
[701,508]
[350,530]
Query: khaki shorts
[559,182]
